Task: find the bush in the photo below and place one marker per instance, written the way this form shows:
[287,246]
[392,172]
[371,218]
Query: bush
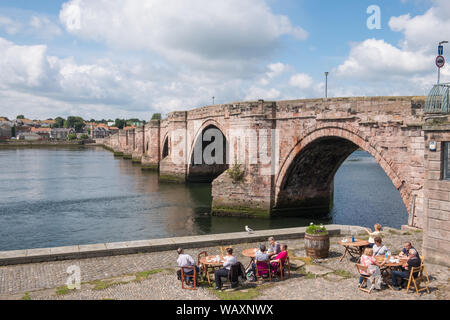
[236,173]
[84,137]
[72,136]
[316,230]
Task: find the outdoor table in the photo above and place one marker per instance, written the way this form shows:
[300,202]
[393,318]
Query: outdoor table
[386,270]
[251,253]
[353,248]
[211,262]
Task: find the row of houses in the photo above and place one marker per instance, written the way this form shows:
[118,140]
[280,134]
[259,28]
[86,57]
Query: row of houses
[32,130]
[26,129]
[101,130]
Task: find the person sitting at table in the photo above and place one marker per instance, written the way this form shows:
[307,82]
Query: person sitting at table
[185,260]
[280,258]
[405,251]
[379,249]
[229,261]
[261,259]
[274,247]
[369,261]
[372,235]
[413,261]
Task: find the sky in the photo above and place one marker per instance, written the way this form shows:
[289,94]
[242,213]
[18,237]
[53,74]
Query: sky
[113,59]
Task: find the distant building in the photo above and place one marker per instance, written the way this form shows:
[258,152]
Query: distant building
[43,132]
[100,132]
[47,123]
[29,136]
[60,133]
[5,130]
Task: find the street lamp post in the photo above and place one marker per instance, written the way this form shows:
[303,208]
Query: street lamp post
[441,53]
[326,84]
[213,99]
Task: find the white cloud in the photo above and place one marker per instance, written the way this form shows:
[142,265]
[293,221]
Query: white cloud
[375,59]
[43,27]
[301,80]
[257,93]
[198,32]
[10,26]
[21,65]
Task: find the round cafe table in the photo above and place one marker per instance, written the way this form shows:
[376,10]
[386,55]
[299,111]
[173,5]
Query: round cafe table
[355,249]
[386,270]
[251,253]
[210,262]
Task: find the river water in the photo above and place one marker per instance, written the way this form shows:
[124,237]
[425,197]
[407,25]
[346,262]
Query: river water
[82,195]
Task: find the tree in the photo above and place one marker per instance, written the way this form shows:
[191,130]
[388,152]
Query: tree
[120,123]
[156,116]
[21,116]
[84,136]
[59,122]
[74,122]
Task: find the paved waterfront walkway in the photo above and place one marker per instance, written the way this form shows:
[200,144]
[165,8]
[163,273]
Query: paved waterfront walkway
[152,276]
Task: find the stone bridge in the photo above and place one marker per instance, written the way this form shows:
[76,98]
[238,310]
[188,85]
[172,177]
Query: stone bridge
[289,152]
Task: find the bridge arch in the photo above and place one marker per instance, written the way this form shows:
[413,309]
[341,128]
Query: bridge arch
[315,160]
[165,150]
[198,170]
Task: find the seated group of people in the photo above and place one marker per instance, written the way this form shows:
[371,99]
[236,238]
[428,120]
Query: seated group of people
[269,259]
[185,260]
[276,253]
[378,249]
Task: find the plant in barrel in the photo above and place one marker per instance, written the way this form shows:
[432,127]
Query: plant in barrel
[317,241]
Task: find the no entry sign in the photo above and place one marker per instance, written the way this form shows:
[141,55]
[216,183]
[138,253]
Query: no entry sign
[440,61]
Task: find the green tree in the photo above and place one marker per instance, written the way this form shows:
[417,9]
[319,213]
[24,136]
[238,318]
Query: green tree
[20,116]
[84,136]
[59,122]
[120,123]
[74,122]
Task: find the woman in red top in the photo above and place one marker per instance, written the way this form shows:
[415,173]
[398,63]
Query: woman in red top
[280,258]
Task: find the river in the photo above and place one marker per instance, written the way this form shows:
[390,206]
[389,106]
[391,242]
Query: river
[64,196]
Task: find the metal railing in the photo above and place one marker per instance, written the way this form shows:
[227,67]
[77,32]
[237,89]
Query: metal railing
[438,99]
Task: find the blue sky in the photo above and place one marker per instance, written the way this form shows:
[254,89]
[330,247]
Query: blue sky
[130,58]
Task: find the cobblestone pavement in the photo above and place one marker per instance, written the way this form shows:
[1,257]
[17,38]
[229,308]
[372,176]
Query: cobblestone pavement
[39,281]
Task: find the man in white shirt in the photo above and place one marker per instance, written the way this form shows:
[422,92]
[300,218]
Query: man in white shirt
[185,260]
[229,261]
[379,249]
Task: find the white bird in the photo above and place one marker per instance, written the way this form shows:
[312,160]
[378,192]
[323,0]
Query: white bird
[248,229]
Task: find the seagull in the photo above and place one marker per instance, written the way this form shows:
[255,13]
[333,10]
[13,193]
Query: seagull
[248,229]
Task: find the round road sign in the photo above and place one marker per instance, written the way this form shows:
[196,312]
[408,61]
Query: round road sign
[440,61]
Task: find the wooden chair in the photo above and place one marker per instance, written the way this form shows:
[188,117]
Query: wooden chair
[263,270]
[227,280]
[283,267]
[184,278]
[422,277]
[365,277]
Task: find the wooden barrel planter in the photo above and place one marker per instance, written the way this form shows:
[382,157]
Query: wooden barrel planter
[317,246]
